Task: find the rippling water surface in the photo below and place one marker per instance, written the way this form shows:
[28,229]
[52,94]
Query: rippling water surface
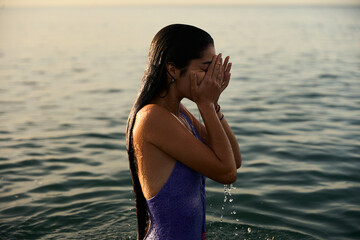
[69,76]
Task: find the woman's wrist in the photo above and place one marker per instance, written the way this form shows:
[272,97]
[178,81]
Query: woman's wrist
[217,107]
[222,116]
[218,112]
[205,105]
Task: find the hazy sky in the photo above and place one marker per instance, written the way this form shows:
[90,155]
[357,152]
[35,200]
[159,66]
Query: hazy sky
[168,2]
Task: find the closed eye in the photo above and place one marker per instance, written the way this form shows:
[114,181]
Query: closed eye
[206,66]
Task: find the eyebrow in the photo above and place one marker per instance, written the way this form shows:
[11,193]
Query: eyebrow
[207,62]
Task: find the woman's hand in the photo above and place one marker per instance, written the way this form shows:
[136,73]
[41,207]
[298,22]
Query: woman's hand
[226,68]
[215,81]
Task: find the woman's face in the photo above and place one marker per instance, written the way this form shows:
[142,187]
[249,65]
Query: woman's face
[198,66]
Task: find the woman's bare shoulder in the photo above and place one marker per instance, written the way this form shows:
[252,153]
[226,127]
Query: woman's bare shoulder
[151,112]
[151,117]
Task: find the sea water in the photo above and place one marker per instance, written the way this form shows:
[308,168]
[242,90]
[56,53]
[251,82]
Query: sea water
[68,79]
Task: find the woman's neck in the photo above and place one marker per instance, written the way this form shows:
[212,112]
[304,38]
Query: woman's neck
[171,101]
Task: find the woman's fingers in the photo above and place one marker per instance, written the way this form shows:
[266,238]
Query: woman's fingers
[228,68]
[227,74]
[220,77]
[219,71]
[211,67]
[217,68]
[193,86]
[226,63]
[226,81]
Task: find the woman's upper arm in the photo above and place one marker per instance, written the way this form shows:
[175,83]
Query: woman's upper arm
[164,130]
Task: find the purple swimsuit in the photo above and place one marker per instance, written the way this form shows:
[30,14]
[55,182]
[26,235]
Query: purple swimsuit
[178,211]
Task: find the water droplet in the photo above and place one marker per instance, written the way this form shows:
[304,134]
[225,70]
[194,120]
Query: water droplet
[227,197]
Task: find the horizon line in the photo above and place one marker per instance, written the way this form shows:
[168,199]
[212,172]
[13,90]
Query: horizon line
[184,5]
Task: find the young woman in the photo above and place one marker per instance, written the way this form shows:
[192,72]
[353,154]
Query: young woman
[170,151]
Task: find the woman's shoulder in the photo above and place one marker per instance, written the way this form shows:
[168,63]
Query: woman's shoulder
[151,111]
[151,116]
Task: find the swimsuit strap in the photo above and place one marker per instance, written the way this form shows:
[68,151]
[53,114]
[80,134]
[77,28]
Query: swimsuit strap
[191,125]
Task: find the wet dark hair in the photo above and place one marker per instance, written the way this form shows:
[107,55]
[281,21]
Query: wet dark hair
[177,44]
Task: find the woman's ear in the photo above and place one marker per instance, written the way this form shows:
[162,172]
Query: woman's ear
[172,70]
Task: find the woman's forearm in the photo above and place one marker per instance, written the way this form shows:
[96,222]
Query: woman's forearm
[218,140]
[232,139]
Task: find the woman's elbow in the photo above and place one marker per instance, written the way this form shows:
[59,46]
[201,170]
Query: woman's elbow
[238,162]
[229,178]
